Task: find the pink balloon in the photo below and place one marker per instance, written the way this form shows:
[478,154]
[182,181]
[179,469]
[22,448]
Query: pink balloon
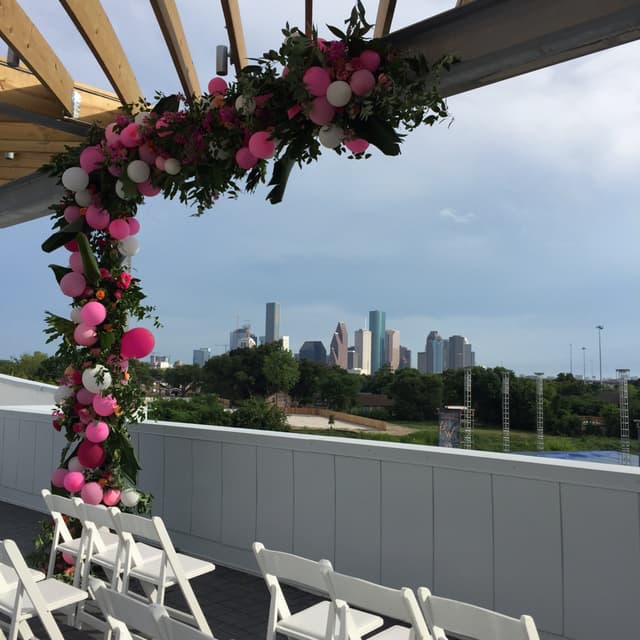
[217,85]
[357,145]
[362,82]
[90,454]
[160,163]
[129,136]
[91,158]
[85,335]
[58,476]
[73,284]
[316,81]
[97,218]
[137,343]
[103,406]
[84,396]
[96,431]
[111,135]
[92,493]
[114,171]
[261,145]
[111,497]
[134,226]
[119,229]
[73,481]
[75,262]
[71,213]
[370,59]
[245,159]
[148,189]
[68,558]
[321,111]
[93,313]
[146,153]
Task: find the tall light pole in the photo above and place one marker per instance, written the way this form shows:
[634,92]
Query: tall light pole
[571,358]
[584,365]
[600,327]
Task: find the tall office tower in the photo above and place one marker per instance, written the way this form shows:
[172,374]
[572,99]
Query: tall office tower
[469,356]
[313,350]
[445,355]
[405,358]
[272,324]
[362,342]
[377,326]
[242,337]
[422,361]
[159,362]
[435,353]
[285,343]
[392,348]
[201,355]
[459,352]
[351,358]
[338,348]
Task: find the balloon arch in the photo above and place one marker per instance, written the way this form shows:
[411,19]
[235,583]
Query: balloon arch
[345,95]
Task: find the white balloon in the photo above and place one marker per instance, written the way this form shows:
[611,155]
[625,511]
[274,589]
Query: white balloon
[62,393]
[75,179]
[75,315]
[90,378]
[129,246]
[138,170]
[339,93]
[141,118]
[83,198]
[74,464]
[246,106]
[172,166]
[331,136]
[129,497]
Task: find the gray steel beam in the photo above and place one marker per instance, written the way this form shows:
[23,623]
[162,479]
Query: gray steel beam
[27,198]
[500,39]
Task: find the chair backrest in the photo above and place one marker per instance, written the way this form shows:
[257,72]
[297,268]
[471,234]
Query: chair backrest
[175,630]
[60,506]
[134,613]
[291,568]
[10,554]
[399,604]
[471,621]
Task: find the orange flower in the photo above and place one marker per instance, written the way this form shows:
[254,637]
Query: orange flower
[83,211]
[117,410]
[100,294]
[107,327]
[218,101]
[102,482]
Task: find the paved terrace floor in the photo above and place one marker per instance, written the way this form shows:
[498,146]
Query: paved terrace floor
[236,604]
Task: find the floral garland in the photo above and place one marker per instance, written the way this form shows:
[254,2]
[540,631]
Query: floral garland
[345,95]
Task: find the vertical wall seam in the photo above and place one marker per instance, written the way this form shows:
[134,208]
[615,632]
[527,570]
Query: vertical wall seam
[255,519]
[335,510]
[493,541]
[293,501]
[433,585]
[562,567]
[380,544]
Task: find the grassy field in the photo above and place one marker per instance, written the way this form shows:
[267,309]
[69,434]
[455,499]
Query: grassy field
[485,439]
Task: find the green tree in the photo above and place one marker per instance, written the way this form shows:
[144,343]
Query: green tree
[201,409]
[26,366]
[256,413]
[339,389]
[416,396]
[306,391]
[280,370]
[187,378]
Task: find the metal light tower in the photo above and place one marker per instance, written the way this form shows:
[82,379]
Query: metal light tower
[600,327]
[539,412]
[584,365]
[506,435]
[623,390]
[571,358]
[468,411]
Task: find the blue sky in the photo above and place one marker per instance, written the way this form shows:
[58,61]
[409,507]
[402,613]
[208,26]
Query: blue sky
[515,224]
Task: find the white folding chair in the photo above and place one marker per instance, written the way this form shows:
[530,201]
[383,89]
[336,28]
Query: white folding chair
[28,599]
[316,622]
[121,610]
[472,622]
[175,630]
[399,604]
[161,567]
[9,577]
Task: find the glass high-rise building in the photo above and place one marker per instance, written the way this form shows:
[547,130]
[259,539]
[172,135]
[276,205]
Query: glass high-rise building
[363,350]
[339,346]
[435,353]
[377,326]
[272,324]
[201,355]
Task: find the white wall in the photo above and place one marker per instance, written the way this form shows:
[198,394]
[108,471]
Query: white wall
[559,540]
[17,391]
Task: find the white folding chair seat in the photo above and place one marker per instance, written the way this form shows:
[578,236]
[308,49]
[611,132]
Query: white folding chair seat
[398,604]
[175,630]
[473,622]
[28,599]
[314,622]
[9,577]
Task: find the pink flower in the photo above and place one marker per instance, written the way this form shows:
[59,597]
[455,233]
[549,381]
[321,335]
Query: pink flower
[84,415]
[124,280]
[292,112]
[56,425]
[76,377]
[117,294]
[105,273]
[355,64]
[78,427]
[335,50]
[227,115]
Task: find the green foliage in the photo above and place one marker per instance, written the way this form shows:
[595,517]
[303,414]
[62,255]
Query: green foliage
[280,370]
[200,409]
[256,413]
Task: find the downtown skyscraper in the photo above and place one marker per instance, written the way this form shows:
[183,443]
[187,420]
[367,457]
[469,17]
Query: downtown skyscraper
[377,326]
[272,323]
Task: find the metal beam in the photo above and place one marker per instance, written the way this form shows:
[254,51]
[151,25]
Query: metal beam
[238,47]
[27,198]
[499,39]
[24,38]
[171,27]
[95,27]
[384,17]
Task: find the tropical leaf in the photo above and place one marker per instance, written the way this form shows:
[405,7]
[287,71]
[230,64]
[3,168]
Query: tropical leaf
[66,234]
[279,178]
[59,272]
[89,262]
[380,134]
[167,103]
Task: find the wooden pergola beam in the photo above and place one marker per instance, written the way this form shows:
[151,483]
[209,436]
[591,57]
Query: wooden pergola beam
[24,38]
[232,19]
[27,198]
[384,17]
[308,17]
[95,27]
[173,33]
[499,39]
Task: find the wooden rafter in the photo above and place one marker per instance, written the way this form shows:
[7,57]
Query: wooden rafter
[308,17]
[232,19]
[95,27]
[384,18]
[25,39]
[171,27]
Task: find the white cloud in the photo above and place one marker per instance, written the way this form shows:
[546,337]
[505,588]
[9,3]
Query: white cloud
[457,218]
